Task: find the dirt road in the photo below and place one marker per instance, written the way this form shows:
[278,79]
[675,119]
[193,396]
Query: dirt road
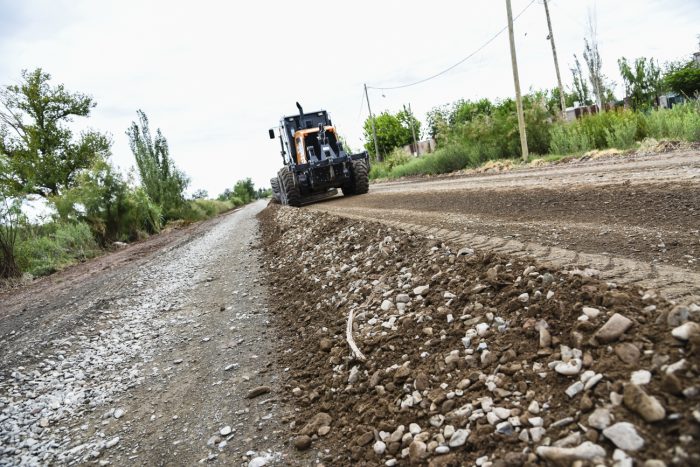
[505,319]
[145,357]
[636,220]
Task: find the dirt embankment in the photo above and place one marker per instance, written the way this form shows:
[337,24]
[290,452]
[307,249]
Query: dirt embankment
[472,357]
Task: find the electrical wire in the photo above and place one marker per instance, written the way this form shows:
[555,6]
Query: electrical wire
[386,88]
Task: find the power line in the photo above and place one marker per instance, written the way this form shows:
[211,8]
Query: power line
[459,62]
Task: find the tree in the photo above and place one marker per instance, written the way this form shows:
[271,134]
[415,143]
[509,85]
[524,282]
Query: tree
[642,80]
[245,190]
[579,92]
[591,56]
[43,157]
[10,215]
[200,194]
[164,183]
[392,131]
[684,79]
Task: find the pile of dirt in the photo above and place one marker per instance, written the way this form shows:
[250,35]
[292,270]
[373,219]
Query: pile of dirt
[471,357]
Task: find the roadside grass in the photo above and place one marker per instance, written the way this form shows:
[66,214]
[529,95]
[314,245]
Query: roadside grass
[47,248]
[617,131]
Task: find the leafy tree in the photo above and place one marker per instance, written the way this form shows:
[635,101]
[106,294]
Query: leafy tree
[643,81]
[580,92]
[684,79]
[245,190]
[392,131]
[438,121]
[465,110]
[106,202]
[200,194]
[164,183]
[43,156]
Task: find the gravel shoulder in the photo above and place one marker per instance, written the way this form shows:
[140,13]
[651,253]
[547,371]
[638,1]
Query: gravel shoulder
[149,362]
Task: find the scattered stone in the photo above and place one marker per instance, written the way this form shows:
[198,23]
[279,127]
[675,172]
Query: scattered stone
[379,447]
[421,290]
[599,419]
[645,405]
[534,407]
[570,368]
[225,431]
[386,305]
[524,297]
[613,328]
[319,420]
[325,344]
[259,391]
[112,442]
[574,389]
[302,442]
[640,377]
[566,456]
[118,413]
[590,312]
[458,438]
[417,450]
[624,436]
[628,353]
[686,331]
[403,298]
[257,462]
[414,428]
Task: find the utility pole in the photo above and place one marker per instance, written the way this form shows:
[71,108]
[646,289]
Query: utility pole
[516,79]
[374,127]
[409,112]
[556,62]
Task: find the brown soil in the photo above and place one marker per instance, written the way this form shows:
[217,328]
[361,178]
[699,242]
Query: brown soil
[321,266]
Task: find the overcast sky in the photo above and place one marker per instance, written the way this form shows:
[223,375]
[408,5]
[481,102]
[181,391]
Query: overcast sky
[215,75]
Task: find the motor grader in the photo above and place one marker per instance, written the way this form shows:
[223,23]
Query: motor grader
[315,162]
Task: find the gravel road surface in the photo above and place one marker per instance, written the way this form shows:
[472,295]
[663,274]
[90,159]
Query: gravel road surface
[145,357]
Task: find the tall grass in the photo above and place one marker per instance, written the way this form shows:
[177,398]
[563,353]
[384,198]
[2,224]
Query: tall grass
[47,248]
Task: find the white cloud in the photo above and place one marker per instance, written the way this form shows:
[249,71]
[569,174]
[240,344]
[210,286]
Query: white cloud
[214,76]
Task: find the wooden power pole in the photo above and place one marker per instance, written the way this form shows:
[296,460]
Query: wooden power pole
[516,79]
[374,127]
[409,112]
[556,62]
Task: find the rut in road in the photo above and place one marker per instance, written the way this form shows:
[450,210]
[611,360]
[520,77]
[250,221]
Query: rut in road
[612,218]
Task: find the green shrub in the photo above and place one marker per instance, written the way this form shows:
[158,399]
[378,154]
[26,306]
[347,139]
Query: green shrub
[51,247]
[682,122]
[447,159]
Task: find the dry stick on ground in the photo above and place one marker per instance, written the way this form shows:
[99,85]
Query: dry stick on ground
[348,330]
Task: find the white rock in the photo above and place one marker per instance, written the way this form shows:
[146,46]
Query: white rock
[590,311]
[118,413]
[421,290]
[534,407]
[574,389]
[437,420]
[442,449]
[524,297]
[570,368]
[684,331]
[112,442]
[414,428]
[448,431]
[502,412]
[379,447]
[459,438]
[599,419]
[640,377]
[257,462]
[482,328]
[624,436]
[537,433]
[386,305]
[449,295]
[584,451]
[550,294]
[535,421]
[225,431]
